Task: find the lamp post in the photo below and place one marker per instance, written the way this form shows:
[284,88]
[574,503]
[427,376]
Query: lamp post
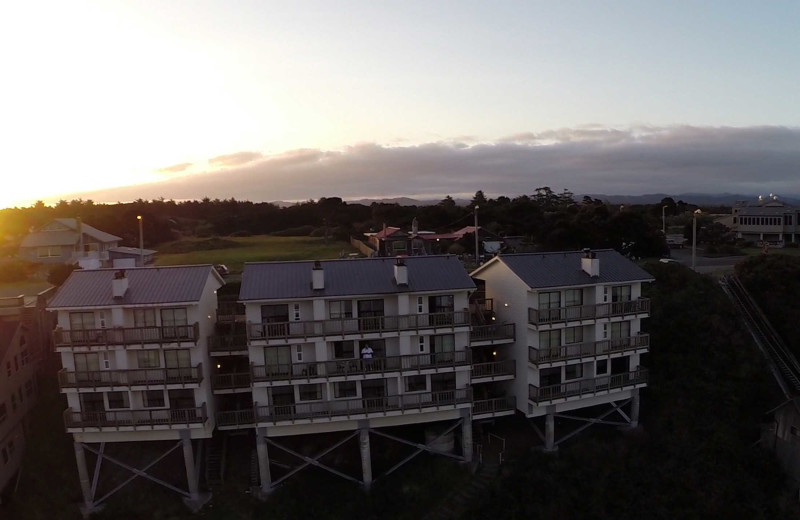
[141,242]
[477,252]
[663,220]
[694,236]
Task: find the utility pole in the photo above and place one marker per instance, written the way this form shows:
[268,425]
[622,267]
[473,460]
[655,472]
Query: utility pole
[477,250]
[141,242]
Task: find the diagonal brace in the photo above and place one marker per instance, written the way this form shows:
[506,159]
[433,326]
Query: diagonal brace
[313,460]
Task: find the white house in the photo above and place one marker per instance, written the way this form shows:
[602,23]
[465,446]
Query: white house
[135,359]
[578,341]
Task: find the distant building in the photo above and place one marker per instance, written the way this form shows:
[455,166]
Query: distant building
[768,220]
[393,241]
[123,256]
[68,241]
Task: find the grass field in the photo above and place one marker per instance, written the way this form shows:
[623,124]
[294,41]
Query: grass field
[239,250]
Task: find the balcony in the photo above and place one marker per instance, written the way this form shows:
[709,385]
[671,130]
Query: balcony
[588,312]
[492,334]
[229,383]
[493,371]
[326,411]
[127,420]
[346,368]
[227,344]
[236,419]
[590,349]
[357,326]
[587,387]
[125,336]
[150,377]
[496,407]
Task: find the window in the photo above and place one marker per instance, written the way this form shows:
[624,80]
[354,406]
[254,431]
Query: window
[442,348]
[92,402]
[295,312]
[573,335]
[277,360]
[174,323]
[573,297]
[549,339]
[344,349]
[48,251]
[620,329]
[621,293]
[573,372]
[310,392]
[144,317]
[81,320]
[398,245]
[153,398]
[602,367]
[180,358]
[416,383]
[148,358]
[370,313]
[275,313]
[118,400]
[345,389]
[443,303]
[298,353]
[420,305]
[341,309]
[422,343]
[3,413]
[549,300]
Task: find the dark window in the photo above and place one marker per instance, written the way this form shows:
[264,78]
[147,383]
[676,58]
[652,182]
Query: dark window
[118,400]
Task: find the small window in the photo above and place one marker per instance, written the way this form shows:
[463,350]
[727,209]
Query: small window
[344,389]
[296,312]
[344,349]
[117,400]
[416,383]
[573,372]
[422,343]
[153,398]
[602,367]
[298,353]
[420,304]
[311,392]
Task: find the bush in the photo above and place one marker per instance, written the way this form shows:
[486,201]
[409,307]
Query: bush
[59,273]
[15,271]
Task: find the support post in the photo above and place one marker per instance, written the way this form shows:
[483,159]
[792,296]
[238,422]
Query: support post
[466,434]
[195,500]
[550,429]
[634,408]
[86,486]
[366,457]
[263,463]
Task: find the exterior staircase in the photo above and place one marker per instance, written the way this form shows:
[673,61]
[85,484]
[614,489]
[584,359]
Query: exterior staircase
[457,502]
[215,459]
[255,479]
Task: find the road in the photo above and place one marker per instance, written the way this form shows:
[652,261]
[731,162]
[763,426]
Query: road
[705,264]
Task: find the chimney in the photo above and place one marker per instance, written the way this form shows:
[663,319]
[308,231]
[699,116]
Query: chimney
[400,272]
[590,264]
[317,276]
[119,285]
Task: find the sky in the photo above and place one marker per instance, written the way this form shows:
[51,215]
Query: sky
[261,100]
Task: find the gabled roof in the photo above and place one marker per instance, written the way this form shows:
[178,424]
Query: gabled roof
[562,269]
[66,237]
[292,280]
[146,286]
[387,232]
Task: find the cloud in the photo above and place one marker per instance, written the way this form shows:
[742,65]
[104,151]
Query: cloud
[175,168]
[234,159]
[631,161]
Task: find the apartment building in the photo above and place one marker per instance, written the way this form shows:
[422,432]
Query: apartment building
[135,361]
[767,220]
[579,339]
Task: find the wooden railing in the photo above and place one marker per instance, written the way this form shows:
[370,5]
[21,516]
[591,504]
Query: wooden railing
[586,312]
[341,327]
[325,410]
[493,332]
[346,367]
[227,342]
[130,377]
[231,380]
[236,418]
[594,348]
[587,387]
[505,367]
[491,406]
[125,335]
[135,418]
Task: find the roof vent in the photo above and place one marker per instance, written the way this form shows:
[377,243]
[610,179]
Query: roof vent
[119,285]
[400,272]
[317,276]
[590,264]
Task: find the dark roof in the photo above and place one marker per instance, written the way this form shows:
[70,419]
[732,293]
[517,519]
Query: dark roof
[7,331]
[146,285]
[282,280]
[131,250]
[559,269]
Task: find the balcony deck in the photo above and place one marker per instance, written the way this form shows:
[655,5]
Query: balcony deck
[494,371]
[357,327]
[230,383]
[134,420]
[227,345]
[581,313]
[497,407]
[343,369]
[606,347]
[98,380]
[583,388]
[125,336]
[492,334]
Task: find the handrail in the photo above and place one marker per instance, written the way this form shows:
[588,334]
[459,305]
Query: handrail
[583,312]
[592,348]
[231,380]
[130,377]
[502,367]
[494,331]
[583,387]
[496,404]
[346,367]
[125,335]
[341,327]
[134,418]
[223,342]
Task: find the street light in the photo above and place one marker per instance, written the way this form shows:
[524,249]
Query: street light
[141,242]
[477,253]
[694,235]
[663,220]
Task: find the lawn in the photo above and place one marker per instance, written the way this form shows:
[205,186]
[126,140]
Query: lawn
[235,251]
[755,251]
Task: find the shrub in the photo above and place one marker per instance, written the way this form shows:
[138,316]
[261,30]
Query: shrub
[59,273]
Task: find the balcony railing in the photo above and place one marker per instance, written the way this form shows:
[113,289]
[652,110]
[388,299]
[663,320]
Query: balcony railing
[231,380]
[587,312]
[587,387]
[354,367]
[594,348]
[505,367]
[138,419]
[130,377]
[227,342]
[125,335]
[493,332]
[236,418]
[341,327]
[494,406]
[325,410]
